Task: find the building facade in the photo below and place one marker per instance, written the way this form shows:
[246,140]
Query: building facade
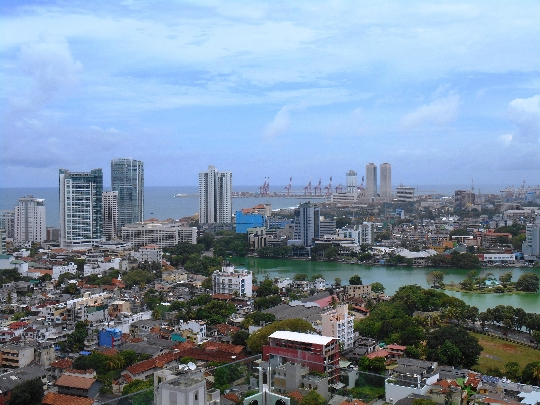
[110,215]
[127,178]
[463,198]
[81,205]
[215,196]
[386,182]
[7,222]
[351,182]
[30,224]
[230,281]
[160,234]
[307,219]
[404,194]
[339,324]
[531,244]
[371,180]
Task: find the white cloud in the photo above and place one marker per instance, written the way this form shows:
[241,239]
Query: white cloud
[438,112]
[525,114]
[505,139]
[279,125]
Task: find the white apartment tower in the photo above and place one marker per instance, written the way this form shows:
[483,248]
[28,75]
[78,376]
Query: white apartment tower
[81,198]
[110,215]
[337,323]
[371,180]
[30,225]
[230,280]
[386,182]
[352,182]
[215,200]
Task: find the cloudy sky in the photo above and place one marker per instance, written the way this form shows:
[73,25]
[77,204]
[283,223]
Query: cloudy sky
[444,91]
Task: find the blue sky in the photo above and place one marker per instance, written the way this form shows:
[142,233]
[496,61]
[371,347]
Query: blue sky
[444,91]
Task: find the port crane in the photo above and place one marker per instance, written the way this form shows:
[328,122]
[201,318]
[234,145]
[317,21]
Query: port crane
[307,189]
[328,188]
[289,186]
[263,190]
[317,188]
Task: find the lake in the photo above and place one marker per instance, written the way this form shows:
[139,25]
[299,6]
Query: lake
[393,278]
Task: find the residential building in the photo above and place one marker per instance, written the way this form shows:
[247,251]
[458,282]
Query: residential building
[358,291]
[3,238]
[319,353]
[7,222]
[81,202]
[194,330]
[294,376]
[230,280]
[327,227]
[215,196]
[11,379]
[15,356]
[371,180]
[307,223]
[110,215]
[463,198]
[30,224]
[183,386]
[339,324]
[69,384]
[127,178]
[386,182]
[148,253]
[160,234]
[351,182]
[531,244]
[404,193]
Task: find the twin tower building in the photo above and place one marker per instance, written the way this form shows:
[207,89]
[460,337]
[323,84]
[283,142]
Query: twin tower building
[88,214]
[373,188]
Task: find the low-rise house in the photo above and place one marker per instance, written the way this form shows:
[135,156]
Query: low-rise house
[15,356]
[12,379]
[69,384]
[52,398]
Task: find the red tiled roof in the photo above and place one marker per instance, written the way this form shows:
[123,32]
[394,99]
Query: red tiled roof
[223,347]
[353,402]
[377,353]
[296,395]
[17,325]
[231,396]
[156,362]
[224,329]
[396,347]
[75,381]
[53,398]
[222,297]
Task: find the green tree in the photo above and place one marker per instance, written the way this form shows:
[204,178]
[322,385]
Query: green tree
[28,393]
[505,278]
[313,398]
[465,343]
[356,280]
[531,373]
[259,338]
[337,282]
[517,241]
[377,288]
[75,340]
[267,288]
[240,337]
[528,282]
[512,370]
[436,279]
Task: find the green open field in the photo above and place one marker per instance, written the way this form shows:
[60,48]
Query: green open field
[498,352]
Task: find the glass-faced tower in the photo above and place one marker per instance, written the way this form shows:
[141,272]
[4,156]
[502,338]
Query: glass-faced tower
[127,178]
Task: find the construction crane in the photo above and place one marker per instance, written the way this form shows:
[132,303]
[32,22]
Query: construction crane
[289,186]
[263,190]
[317,188]
[339,188]
[328,188]
[307,189]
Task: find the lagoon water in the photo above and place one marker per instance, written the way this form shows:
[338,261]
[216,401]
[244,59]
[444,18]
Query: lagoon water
[392,278]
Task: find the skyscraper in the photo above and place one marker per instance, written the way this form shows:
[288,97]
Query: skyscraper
[386,182]
[110,215]
[307,220]
[80,207]
[352,182]
[215,196]
[30,225]
[127,178]
[371,180]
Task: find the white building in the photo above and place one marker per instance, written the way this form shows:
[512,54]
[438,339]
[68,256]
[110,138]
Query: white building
[307,218]
[338,324]
[371,180]
[30,224]
[362,235]
[404,193]
[110,215]
[531,244]
[230,280]
[386,182]
[195,328]
[160,234]
[215,196]
[351,182]
[59,270]
[149,253]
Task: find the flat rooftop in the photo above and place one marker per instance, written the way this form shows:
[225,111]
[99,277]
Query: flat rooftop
[301,337]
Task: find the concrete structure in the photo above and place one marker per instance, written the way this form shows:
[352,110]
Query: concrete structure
[531,244]
[307,223]
[463,198]
[110,337]
[80,208]
[386,182]
[160,234]
[15,356]
[358,291]
[7,222]
[340,325]
[215,196]
[59,270]
[371,180]
[183,387]
[30,224]
[127,178]
[193,330]
[410,377]
[148,253]
[404,194]
[110,215]
[319,353]
[230,281]
[3,239]
[290,377]
[351,182]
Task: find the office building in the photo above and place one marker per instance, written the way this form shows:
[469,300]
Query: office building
[230,280]
[127,178]
[319,353]
[463,198]
[351,181]
[110,215]
[247,218]
[338,324]
[531,244]
[307,219]
[160,234]
[385,190]
[404,194]
[371,180]
[215,201]
[30,224]
[81,205]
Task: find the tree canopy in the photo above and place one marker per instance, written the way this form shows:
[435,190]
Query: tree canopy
[453,346]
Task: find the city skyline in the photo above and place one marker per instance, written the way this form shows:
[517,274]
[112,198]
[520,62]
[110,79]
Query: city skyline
[271,89]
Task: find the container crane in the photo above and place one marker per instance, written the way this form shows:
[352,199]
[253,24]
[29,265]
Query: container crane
[289,186]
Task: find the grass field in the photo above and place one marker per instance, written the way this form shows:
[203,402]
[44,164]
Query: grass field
[498,352]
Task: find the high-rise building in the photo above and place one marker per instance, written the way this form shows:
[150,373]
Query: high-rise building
[339,324]
[371,180]
[30,224]
[215,197]
[352,182]
[81,197]
[7,222]
[110,215]
[127,178]
[385,190]
[463,198]
[307,219]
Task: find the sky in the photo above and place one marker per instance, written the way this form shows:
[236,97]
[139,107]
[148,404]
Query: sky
[448,92]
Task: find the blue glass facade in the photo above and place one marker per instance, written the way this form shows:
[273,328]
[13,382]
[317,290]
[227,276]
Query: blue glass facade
[245,221]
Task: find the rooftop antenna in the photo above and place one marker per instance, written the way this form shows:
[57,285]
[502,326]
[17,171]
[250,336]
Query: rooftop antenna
[191,366]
